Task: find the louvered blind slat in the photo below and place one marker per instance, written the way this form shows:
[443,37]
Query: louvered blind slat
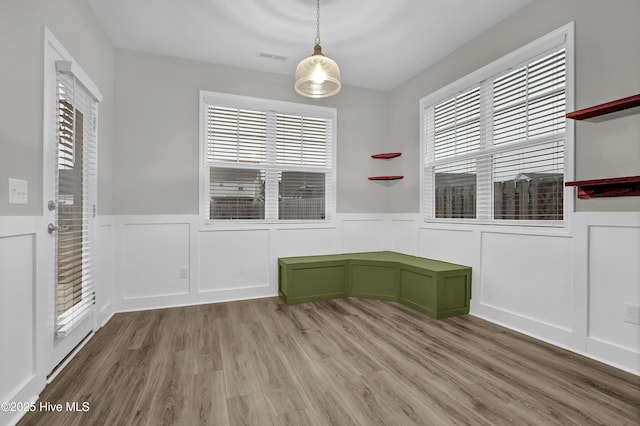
[284,163]
[236,135]
[471,171]
[76,197]
[456,125]
[530,102]
[301,140]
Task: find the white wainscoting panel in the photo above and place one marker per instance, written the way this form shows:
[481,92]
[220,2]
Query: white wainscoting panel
[152,257]
[529,276]
[533,280]
[455,246]
[614,271]
[403,236]
[104,270]
[17,316]
[233,259]
[305,242]
[20,378]
[359,234]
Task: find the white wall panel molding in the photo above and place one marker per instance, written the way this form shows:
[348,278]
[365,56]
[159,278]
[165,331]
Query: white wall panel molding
[153,258]
[225,262]
[401,235]
[527,275]
[18,225]
[613,280]
[234,260]
[105,269]
[541,282]
[24,282]
[19,357]
[610,353]
[296,241]
[361,233]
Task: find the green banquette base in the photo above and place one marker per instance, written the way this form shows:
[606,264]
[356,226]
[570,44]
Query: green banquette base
[435,288]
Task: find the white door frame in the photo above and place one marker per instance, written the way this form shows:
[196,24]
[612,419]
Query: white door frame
[51,350]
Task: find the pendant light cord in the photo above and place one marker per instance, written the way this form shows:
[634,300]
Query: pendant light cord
[317,21]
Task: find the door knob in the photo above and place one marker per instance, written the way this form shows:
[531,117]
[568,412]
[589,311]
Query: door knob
[52,228]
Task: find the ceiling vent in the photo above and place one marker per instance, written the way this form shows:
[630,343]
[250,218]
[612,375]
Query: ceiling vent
[273,56]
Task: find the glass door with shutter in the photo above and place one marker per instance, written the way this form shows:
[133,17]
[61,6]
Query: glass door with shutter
[72,211]
[74,293]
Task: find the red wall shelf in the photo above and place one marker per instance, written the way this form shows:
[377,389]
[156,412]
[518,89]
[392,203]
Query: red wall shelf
[611,187]
[385,177]
[606,108]
[386,155]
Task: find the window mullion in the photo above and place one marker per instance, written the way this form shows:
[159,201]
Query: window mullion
[483,162]
[271,180]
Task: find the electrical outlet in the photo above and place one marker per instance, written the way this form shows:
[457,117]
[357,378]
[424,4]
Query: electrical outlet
[184,272]
[631,314]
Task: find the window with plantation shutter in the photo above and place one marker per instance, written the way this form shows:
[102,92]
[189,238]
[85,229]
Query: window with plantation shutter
[457,125]
[236,135]
[495,142]
[266,160]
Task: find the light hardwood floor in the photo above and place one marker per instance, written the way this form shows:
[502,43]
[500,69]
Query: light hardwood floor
[343,362]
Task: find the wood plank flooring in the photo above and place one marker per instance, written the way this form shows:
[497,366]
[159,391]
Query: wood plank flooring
[343,362]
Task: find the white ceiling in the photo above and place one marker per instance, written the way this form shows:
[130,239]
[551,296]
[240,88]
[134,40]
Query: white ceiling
[378,44]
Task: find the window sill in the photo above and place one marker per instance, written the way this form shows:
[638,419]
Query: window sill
[262,224]
[552,228]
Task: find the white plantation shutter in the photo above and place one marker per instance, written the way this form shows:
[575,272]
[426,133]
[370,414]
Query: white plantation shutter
[302,140]
[236,135]
[530,101]
[76,204]
[457,125]
[529,110]
[267,160]
[495,151]
[453,131]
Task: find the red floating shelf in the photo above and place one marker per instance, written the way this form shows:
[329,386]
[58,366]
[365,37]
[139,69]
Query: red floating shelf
[387,155]
[385,177]
[611,187]
[606,108]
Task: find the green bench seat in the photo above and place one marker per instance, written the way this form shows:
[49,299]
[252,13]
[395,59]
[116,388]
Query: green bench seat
[435,288]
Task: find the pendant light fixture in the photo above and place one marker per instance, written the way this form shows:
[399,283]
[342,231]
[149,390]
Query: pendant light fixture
[317,76]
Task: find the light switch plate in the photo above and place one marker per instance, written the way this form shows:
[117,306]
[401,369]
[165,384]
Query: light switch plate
[18,190]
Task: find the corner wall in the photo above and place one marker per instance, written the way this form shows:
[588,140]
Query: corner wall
[607,61]
[22,226]
[156,156]
[566,287]
[22,25]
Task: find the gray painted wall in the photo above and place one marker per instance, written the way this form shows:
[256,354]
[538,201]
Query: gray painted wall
[149,130]
[607,68]
[157,110]
[22,25]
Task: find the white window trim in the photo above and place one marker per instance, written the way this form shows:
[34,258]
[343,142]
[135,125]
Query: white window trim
[563,35]
[248,102]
